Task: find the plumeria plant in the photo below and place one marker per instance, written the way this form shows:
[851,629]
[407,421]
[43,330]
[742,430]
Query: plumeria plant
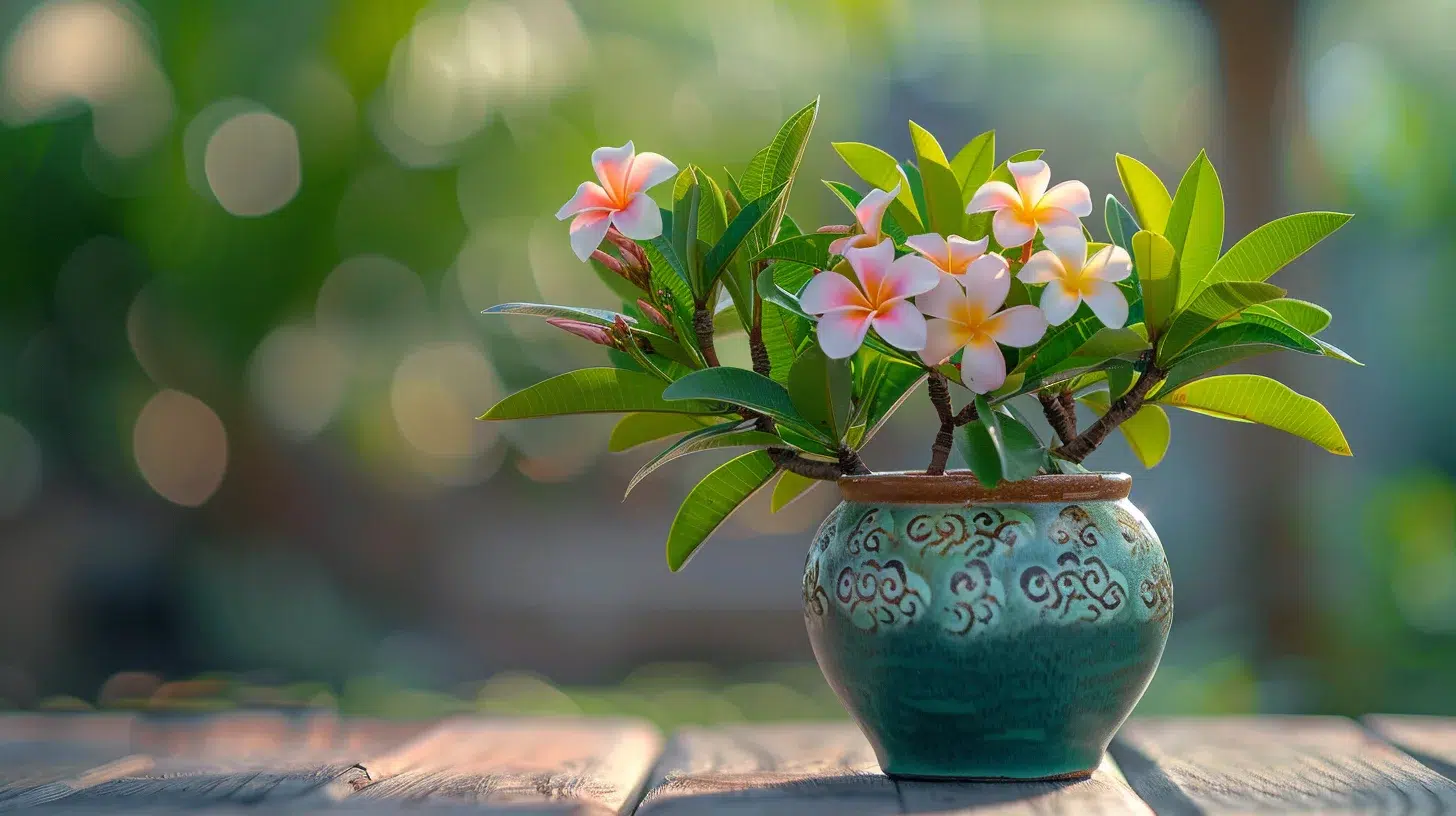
[955,271]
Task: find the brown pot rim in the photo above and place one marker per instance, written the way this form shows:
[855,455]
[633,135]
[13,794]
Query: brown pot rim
[961,487]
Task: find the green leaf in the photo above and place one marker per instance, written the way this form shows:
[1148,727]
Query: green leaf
[820,391]
[1214,305]
[1057,347]
[783,332]
[851,197]
[1269,248]
[687,195]
[792,276]
[1121,226]
[981,445]
[712,208]
[1108,342]
[596,317]
[595,391]
[917,190]
[1157,274]
[1195,225]
[944,209]
[741,387]
[1252,398]
[749,219]
[790,486]
[668,272]
[777,164]
[1147,432]
[1024,453]
[639,429]
[805,441]
[1303,315]
[882,383]
[811,249]
[879,169]
[712,500]
[724,435]
[1195,364]
[978,226]
[771,292]
[1150,199]
[972,165]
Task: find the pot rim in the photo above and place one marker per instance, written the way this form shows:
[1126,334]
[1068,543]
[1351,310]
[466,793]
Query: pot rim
[962,487]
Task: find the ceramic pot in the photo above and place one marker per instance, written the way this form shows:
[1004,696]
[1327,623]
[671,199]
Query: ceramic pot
[988,634]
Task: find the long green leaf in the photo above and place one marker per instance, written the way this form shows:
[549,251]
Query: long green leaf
[781,159]
[1214,305]
[743,223]
[595,391]
[771,292]
[1269,248]
[820,390]
[811,249]
[1150,199]
[972,165]
[712,500]
[596,317]
[1121,226]
[1023,451]
[944,209]
[724,435]
[741,387]
[1147,432]
[789,487]
[879,169]
[1303,315]
[1195,225]
[639,429]
[783,332]
[687,197]
[1157,273]
[981,445]
[1252,398]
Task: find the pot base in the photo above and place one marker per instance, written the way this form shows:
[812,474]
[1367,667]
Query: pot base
[1071,776]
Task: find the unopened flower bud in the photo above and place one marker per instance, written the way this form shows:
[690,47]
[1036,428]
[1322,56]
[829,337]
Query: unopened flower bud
[609,262]
[587,331]
[652,314]
[835,229]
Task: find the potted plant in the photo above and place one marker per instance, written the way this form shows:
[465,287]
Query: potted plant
[995,623]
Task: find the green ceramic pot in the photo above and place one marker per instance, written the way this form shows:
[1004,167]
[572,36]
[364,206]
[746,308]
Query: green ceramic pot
[979,634]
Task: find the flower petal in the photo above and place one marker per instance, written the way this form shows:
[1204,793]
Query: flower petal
[640,220]
[1053,222]
[983,369]
[909,276]
[946,300]
[1032,178]
[962,252]
[1110,263]
[987,283]
[612,165]
[1107,302]
[589,196]
[1072,196]
[648,171]
[1010,228]
[1043,267]
[933,247]
[831,292]
[993,195]
[588,230]
[871,265]
[1059,302]
[1070,247]
[901,325]
[1019,326]
[870,211]
[942,339]
[841,333]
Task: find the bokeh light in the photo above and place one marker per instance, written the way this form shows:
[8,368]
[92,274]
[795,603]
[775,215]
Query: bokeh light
[252,163]
[181,448]
[20,467]
[298,376]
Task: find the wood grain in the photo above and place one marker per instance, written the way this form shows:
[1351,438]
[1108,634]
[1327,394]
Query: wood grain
[1274,764]
[830,769]
[540,765]
[1432,740]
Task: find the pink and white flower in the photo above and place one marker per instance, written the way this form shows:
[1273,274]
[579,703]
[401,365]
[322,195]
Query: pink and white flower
[971,318]
[1072,279]
[881,300]
[951,255]
[870,213]
[1030,206]
[619,200]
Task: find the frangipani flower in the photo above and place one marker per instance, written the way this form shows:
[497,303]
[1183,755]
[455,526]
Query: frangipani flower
[870,213]
[1029,206]
[951,255]
[1072,278]
[619,200]
[847,312]
[968,318]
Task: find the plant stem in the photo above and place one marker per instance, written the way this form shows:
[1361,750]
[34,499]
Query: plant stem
[761,362]
[945,437]
[1069,407]
[1057,416]
[849,463]
[1118,413]
[703,328]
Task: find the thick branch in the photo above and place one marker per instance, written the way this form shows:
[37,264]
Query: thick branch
[945,437]
[703,328]
[806,467]
[1069,407]
[761,362]
[1057,417]
[1118,413]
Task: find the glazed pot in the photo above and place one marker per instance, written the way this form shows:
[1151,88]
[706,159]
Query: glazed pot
[987,634]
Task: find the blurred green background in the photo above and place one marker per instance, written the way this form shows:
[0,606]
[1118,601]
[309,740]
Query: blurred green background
[246,244]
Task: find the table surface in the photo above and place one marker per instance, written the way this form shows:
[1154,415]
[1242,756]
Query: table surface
[311,763]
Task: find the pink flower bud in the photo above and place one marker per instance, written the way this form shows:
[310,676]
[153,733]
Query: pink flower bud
[652,314]
[588,331]
[834,229]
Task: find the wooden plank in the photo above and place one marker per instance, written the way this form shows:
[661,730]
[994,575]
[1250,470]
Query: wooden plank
[550,765]
[44,758]
[1432,740]
[1274,764]
[829,768]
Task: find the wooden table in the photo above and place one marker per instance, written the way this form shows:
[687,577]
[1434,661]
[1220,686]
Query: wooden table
[311,763]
